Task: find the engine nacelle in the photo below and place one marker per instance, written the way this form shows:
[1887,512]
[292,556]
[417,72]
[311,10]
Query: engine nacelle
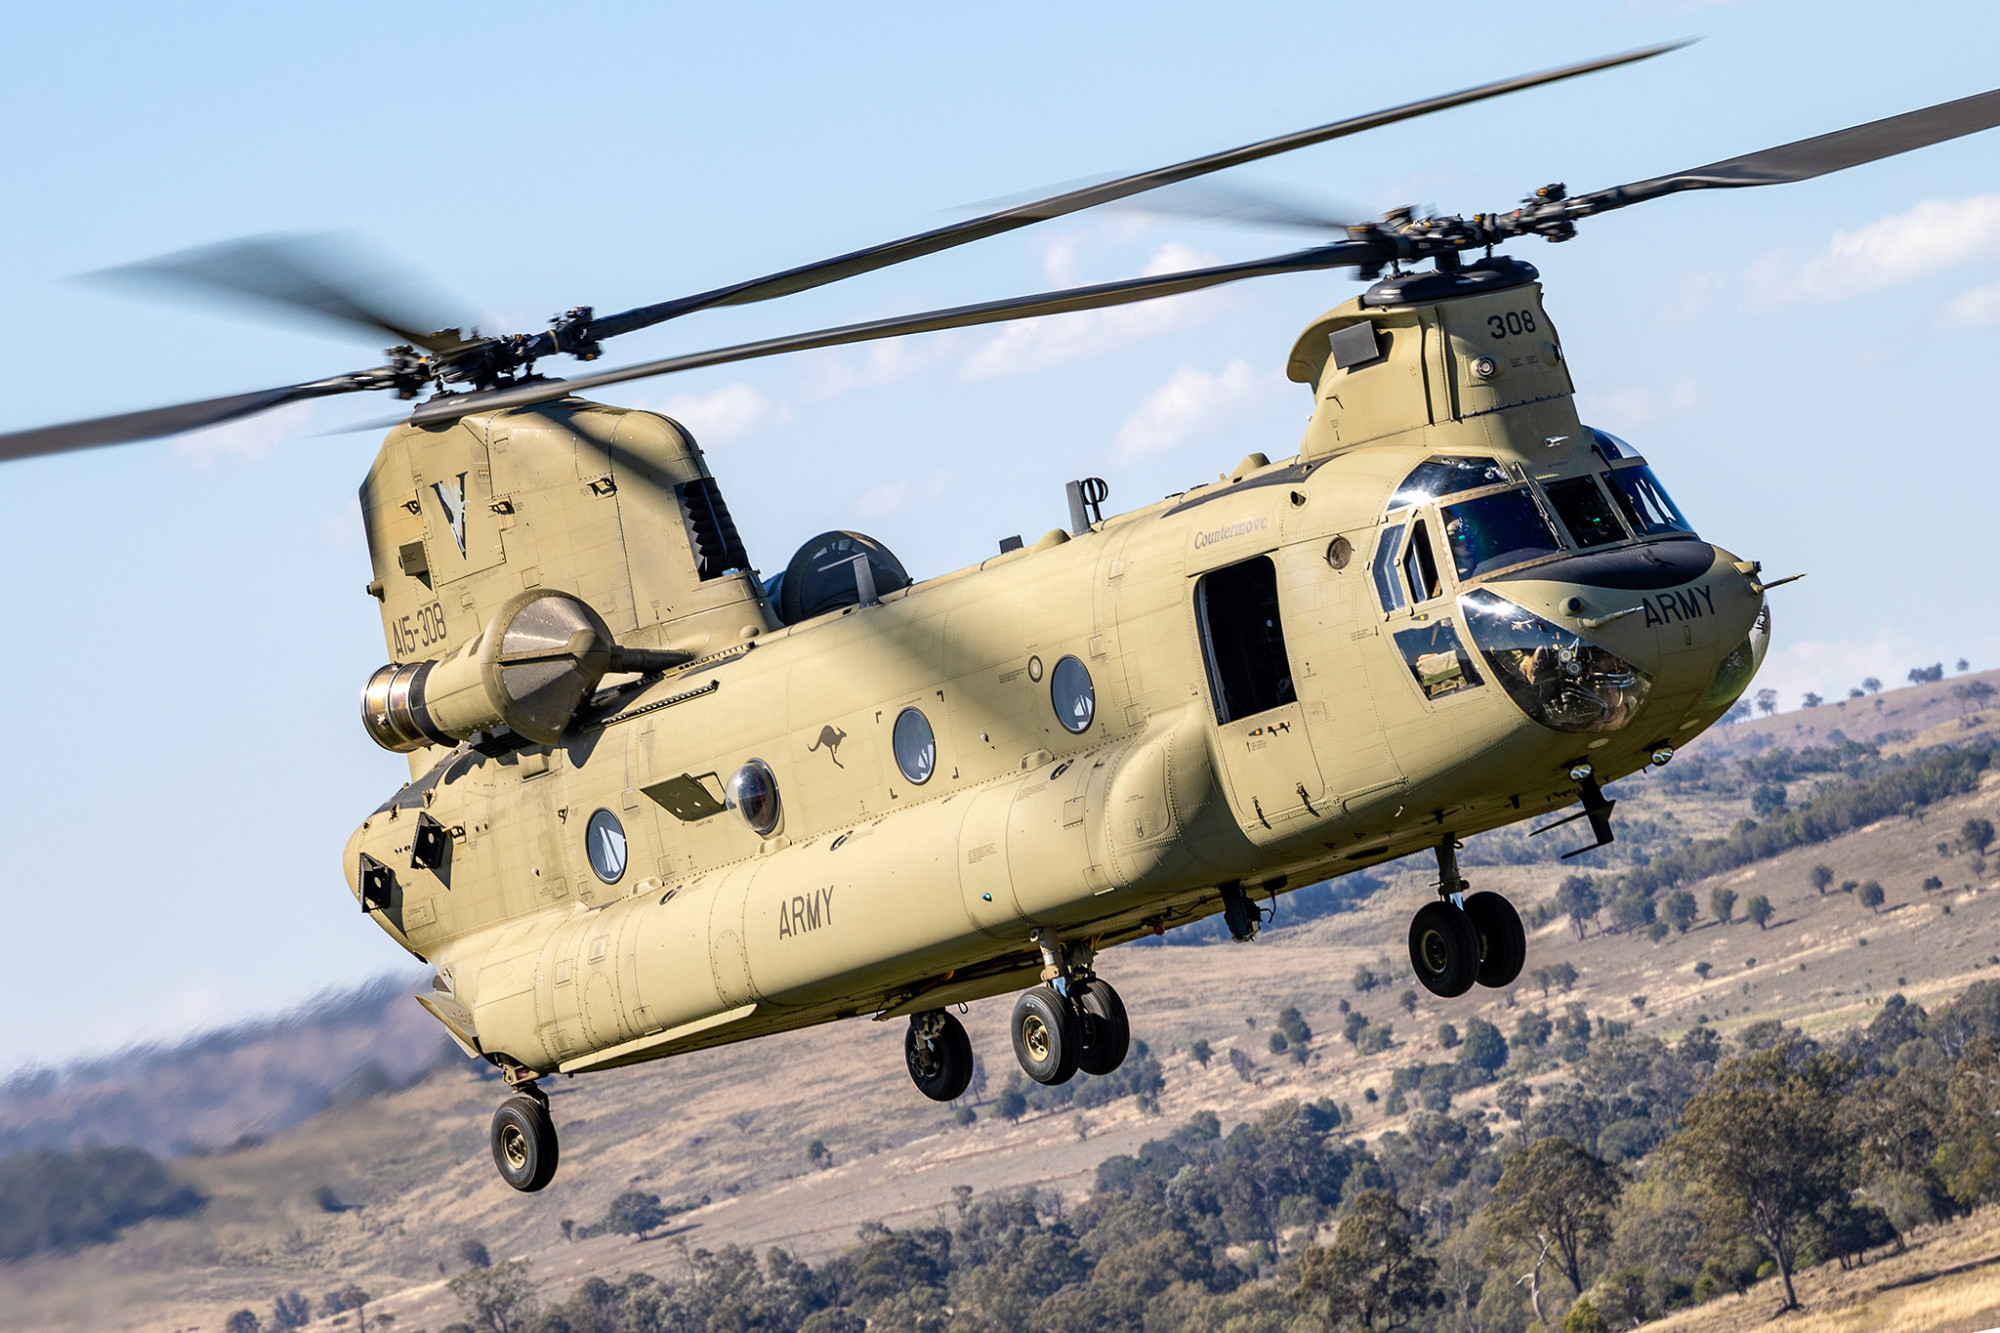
[536,661]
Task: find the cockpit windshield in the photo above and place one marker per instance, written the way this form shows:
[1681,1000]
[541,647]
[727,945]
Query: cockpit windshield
[1647,507]
[1495,531]
[1447,474]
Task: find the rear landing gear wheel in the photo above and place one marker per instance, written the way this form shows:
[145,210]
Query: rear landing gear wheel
[1444,949]
[939,1055]
[1107,1034]
[1503,944]
[1048,1039]
[524,1143]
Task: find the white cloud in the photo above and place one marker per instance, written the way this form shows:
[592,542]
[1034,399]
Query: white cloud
[729,413]
[1189,403]
[1972,309]
[248,440]
[836,370]
[887,498]
[1632,409]
[1037,344]
[1935,234]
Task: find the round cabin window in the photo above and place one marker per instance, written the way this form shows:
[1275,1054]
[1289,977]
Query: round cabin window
[915,746]
[1074,697]
[753,794]
[604,840]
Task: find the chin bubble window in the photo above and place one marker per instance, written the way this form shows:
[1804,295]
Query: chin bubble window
[1074,697]
[753,794]
[1562,681]
[915,746]
[604,840]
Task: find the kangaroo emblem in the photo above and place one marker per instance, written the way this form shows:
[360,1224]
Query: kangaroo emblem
[830,736]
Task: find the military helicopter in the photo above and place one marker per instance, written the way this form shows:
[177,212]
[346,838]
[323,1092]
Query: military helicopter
[660,803]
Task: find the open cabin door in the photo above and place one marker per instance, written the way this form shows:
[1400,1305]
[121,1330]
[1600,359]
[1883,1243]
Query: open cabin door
[1266,755]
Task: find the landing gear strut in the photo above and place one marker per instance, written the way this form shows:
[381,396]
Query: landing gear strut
[1073,1020]
[524,1139]
[1465,937]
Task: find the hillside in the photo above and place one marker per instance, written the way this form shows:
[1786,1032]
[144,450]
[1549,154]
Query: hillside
[381,1189]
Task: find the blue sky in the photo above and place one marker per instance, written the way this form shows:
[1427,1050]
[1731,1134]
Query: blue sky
[1807,366]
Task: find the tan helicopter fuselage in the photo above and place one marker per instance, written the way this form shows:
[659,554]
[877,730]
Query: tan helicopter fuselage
[1264,713]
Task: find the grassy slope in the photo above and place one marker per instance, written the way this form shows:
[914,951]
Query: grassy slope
[734,1123]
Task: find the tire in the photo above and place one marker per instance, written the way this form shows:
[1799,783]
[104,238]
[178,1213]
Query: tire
[1047,1037]
[1107,1033]
[524,1144]
[942,1067]
[1444,949]
[1503,944]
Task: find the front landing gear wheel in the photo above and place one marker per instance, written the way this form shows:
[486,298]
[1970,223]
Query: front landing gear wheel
[1503,945]
[1047,1037]
[1444,949]
[524,1143]
[939,1055]
[1107,1033]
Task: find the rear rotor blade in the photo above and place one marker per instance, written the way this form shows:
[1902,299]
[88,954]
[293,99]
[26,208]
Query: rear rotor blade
[1240,206]
[158,421]
[1340,254]
[992,224]
[1812,157]
[325,276]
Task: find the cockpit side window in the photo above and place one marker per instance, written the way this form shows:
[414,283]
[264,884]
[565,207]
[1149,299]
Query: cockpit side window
[1447,474]
[1584,511]
[1420,565]
[1645,502]
[1387,586]
[1494,531]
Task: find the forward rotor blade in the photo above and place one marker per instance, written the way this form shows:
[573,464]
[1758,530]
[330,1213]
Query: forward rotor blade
[1340,254]
[158,421]
[1241,207]
[992,224]
[325,276]
[1812,157]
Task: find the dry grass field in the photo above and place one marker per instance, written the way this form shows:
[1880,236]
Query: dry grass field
[412,1179]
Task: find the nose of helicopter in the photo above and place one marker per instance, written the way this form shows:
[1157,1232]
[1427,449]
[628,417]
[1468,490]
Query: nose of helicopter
[1663,634]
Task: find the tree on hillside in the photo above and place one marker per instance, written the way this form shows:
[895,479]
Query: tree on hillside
[1767,702]
[1822,877]
[1927,675]
[1971,695]
[1373,1275]
[242,1321]
[1871,896]
[1578,899]
[1970,1158]
[1759,909]
[499,1299]
[634,1213]
[1722,902]
[1483,1046]
[1976,834]
[473,1252]
[1553,1202]
[1963,666]
[291,1310]
[355,1299]
[1871,684]
[1760,1145]
[1680,911]
[1811,700]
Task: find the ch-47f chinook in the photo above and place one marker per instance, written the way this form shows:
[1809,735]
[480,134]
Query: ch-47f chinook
[659,804]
